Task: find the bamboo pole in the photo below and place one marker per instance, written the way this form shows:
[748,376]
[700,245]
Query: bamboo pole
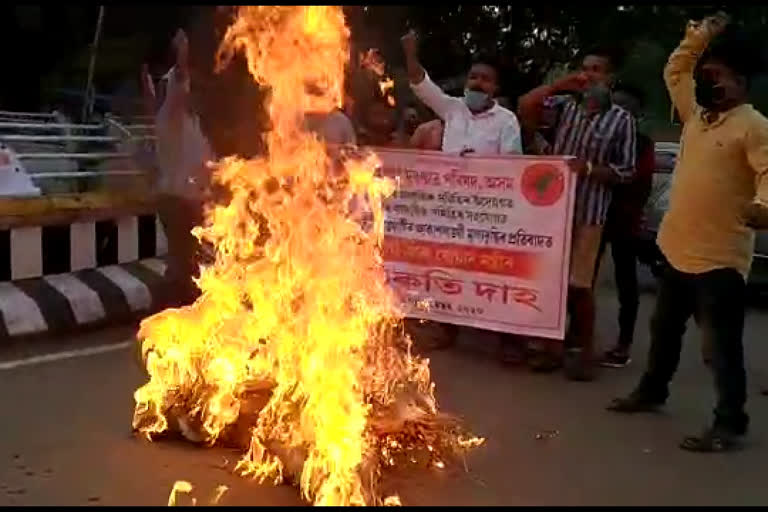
[89,96]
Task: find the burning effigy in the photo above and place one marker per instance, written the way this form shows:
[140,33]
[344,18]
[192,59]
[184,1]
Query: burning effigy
[295,350]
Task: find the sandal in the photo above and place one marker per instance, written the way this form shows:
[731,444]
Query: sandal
[544,362]
[634,403]
[511,353]
[712,440]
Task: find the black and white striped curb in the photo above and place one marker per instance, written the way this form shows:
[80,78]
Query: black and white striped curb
[63,302]
[36,251]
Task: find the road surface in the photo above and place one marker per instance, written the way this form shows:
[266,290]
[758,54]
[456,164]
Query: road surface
[67,438]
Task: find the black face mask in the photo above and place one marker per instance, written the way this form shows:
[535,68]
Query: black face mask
[709,93]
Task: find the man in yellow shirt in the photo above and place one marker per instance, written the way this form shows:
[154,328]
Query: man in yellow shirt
[719,194]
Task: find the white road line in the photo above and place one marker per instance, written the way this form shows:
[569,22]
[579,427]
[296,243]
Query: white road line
[69,354]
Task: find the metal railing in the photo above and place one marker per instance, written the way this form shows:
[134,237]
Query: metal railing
[61,156]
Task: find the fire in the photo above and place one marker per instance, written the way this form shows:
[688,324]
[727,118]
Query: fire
[373,61]
[294,350]
[182,487]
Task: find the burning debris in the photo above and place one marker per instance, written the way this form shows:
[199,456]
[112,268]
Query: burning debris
[295,351]
[374,62]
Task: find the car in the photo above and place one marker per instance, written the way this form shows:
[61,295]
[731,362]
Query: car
[657,205]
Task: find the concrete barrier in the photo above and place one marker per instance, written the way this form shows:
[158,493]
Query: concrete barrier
[68,262]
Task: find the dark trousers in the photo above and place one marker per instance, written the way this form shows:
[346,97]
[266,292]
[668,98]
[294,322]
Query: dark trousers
[716,299]
[179,215]
[624,254]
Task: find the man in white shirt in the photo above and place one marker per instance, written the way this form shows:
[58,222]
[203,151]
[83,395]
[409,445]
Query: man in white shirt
[475,123]
[182,152]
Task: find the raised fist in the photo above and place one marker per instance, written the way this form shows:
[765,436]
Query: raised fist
[410,44]
[710,26]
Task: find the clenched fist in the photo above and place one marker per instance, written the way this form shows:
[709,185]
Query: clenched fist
[710,26]
[410,44]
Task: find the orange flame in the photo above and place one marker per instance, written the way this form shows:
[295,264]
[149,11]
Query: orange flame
[296,336]
[373,61]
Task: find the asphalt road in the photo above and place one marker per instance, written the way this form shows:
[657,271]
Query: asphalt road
[67,437]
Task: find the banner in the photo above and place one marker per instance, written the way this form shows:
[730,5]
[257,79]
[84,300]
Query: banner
[480,241]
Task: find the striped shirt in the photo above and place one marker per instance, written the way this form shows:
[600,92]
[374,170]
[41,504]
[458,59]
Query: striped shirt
[605,139]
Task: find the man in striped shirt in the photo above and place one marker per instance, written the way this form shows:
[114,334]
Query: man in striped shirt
[601,136]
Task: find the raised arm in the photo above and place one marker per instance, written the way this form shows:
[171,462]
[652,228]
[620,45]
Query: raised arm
[424,88]
[678,73]
[177,92]
[531,106]
[149,98]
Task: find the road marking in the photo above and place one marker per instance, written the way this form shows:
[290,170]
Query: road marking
[68,354]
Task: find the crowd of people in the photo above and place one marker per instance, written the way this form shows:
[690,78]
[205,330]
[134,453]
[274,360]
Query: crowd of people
[719,196]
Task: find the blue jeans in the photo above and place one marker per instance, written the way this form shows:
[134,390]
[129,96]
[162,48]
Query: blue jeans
[717,300]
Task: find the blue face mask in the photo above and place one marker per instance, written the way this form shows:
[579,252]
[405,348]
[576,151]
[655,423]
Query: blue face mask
[476,100]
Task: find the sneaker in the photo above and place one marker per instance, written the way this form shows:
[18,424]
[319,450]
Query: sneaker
[616,358]
[577,368]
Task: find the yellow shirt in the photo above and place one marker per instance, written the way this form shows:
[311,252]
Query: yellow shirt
[721,169]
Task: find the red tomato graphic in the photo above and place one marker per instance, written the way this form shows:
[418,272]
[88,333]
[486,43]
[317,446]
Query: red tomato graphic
[542,184]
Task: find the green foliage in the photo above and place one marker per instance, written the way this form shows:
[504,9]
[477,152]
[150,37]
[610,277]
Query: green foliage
[533,44]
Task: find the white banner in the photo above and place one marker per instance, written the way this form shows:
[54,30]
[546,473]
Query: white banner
[480,241]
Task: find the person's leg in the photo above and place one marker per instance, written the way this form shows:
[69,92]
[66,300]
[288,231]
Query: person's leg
[625,271]
[674,305]
[625,261]
[579,345]
[604,241]
[191,216]
[720,305]
[168,211]
[579,350]
[706,340]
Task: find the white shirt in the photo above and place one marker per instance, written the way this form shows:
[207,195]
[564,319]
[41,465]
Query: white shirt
[182,149]
[495,131]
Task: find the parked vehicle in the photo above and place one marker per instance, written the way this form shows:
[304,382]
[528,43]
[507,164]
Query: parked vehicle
[658,203]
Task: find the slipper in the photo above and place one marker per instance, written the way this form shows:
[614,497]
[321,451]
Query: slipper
[544,362]
[712,440]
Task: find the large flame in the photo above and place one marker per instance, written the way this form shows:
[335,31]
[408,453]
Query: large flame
[296,339]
